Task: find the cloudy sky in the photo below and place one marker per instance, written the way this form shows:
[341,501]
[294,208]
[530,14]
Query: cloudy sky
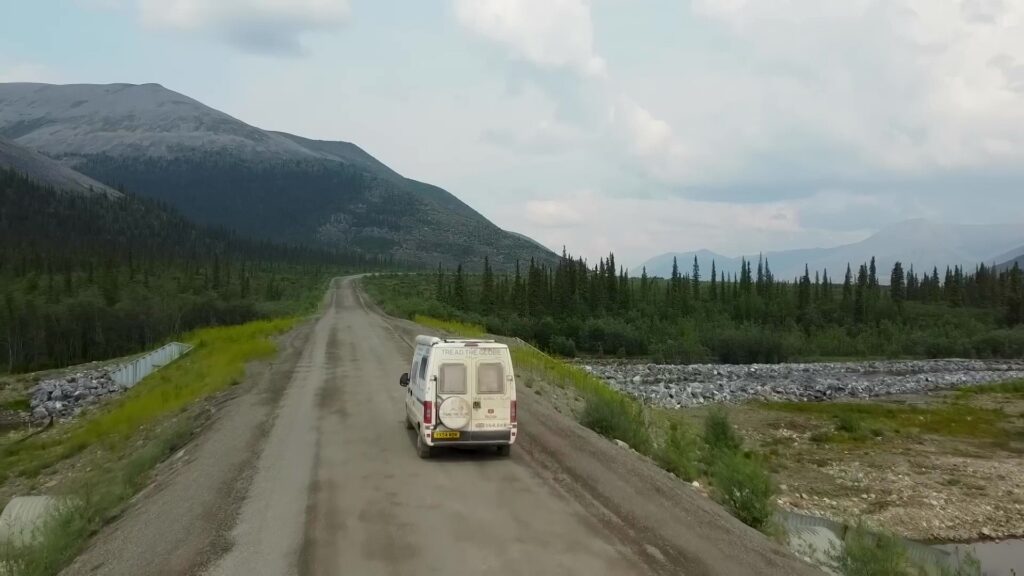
[639,126]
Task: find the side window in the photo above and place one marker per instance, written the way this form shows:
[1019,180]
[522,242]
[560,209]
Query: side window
[423,369]
[453,379]
[490,378]
[415,368]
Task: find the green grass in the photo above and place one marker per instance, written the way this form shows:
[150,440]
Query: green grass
[16,405]
[857,421]
[1012,388]
[217,362]
[128,439]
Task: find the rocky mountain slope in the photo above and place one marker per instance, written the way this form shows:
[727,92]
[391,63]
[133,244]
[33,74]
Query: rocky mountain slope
[922,243]
[218,170]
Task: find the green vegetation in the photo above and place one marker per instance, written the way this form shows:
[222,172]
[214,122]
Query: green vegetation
[1012,388]
[572,308]
[462,329]
[744,487]
[358,201]
[679,453]
[92,278]
[868,553]
[740,480]
[217,362]
[719,435]
[126,439]
[618,417]
[860,421]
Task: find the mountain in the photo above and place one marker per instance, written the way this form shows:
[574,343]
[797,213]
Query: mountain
[1012,257]
[47,172]
[921,243]
[218,170]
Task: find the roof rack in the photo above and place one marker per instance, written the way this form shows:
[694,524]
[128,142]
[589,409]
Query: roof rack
[467,341]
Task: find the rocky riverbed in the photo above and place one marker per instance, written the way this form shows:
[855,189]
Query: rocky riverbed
[679,386]
[66,396]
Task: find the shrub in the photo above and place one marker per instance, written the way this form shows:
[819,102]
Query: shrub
[678,454]
[867,554]
[849,422]
[684,351]
[563,346]
[618,417]
[719,435]
[744,487]
[966,565]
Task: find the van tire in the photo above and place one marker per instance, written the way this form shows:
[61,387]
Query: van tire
[423,450]
[505,451]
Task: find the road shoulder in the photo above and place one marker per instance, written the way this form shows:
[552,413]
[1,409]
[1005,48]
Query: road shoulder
[180,523]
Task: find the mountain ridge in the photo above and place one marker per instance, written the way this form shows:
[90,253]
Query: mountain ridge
[219,170]
[917,242]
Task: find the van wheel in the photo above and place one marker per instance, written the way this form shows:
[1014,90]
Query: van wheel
[505,451]
[423,450]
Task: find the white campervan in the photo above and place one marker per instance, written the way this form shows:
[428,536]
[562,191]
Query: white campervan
[460,393]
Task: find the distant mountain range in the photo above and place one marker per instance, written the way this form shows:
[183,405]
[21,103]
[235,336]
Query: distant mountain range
[218,170]
[1013,257]
[921,243]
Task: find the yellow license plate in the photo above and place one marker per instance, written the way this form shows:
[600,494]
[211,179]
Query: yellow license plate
[446,435]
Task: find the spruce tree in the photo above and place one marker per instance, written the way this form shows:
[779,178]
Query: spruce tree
[696,279]
[897,284]
[459,289]
[714,282]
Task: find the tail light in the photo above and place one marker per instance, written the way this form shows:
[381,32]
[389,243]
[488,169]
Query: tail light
[428,412]
[513,411]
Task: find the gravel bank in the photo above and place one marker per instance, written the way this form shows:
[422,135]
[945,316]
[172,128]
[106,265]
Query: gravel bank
[66,396]
[677,386]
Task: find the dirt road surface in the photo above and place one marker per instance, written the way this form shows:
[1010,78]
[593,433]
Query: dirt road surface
[321,478]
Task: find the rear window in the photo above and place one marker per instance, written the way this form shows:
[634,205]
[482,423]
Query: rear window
[490,378]
[452,380]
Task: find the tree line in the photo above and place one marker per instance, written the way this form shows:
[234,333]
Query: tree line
[750,316]
[91,277]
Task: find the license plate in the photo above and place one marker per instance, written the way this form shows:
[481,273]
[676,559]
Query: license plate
[446,435]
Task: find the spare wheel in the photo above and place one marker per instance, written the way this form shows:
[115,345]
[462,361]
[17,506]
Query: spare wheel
[454,412]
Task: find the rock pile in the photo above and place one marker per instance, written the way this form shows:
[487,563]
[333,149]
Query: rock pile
[65,397]
[678,386]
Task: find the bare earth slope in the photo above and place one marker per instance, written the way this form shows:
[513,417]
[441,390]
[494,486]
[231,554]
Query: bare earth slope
[337,489]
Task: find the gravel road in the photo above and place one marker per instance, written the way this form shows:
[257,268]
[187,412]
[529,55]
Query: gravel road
[330,484]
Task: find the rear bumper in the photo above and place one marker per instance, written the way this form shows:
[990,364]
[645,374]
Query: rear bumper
[476,438]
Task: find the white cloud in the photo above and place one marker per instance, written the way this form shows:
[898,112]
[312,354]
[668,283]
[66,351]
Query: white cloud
[266,26]
[898,87]
[593,224]
[552,213]
[547,33]
[651,141]
[25,72]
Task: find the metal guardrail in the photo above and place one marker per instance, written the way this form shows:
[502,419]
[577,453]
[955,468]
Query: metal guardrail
[128,375]
[916,551]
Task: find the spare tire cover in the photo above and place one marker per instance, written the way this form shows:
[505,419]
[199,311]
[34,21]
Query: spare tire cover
[454,412]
